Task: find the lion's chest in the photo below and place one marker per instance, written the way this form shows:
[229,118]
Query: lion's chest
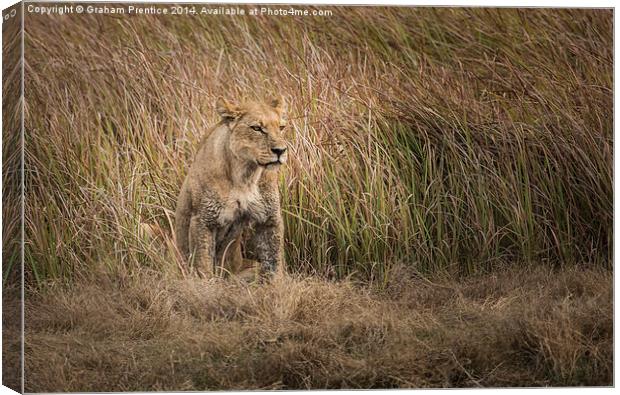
[242,206]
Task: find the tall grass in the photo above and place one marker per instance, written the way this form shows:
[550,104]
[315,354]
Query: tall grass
[11,147]
[442,139]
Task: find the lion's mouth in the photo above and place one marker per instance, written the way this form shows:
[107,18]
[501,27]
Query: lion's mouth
[273,163]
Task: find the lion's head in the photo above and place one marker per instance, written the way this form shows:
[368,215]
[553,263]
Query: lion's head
[256,130]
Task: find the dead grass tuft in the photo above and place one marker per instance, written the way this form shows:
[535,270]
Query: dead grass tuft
[512,328]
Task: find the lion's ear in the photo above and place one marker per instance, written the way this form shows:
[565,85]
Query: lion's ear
[226,110]
[278,104]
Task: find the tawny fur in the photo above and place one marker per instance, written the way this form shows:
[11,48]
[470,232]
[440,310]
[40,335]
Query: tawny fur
[230,196]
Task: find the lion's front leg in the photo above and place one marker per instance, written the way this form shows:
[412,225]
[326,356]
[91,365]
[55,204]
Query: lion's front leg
[202,246]
[265,245]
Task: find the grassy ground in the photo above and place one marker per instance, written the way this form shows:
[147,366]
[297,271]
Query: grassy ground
[451,143]
[520,327]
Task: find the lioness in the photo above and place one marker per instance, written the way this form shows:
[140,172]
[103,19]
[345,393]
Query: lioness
[231,191]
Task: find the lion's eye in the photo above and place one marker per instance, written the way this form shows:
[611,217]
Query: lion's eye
[282,127]
[257,128]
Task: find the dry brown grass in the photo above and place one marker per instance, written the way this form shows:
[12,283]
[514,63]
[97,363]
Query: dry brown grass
[527,327]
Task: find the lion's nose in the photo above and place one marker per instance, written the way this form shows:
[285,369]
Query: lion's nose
[278,151]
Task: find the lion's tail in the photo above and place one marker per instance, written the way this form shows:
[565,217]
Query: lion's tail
[182,220]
